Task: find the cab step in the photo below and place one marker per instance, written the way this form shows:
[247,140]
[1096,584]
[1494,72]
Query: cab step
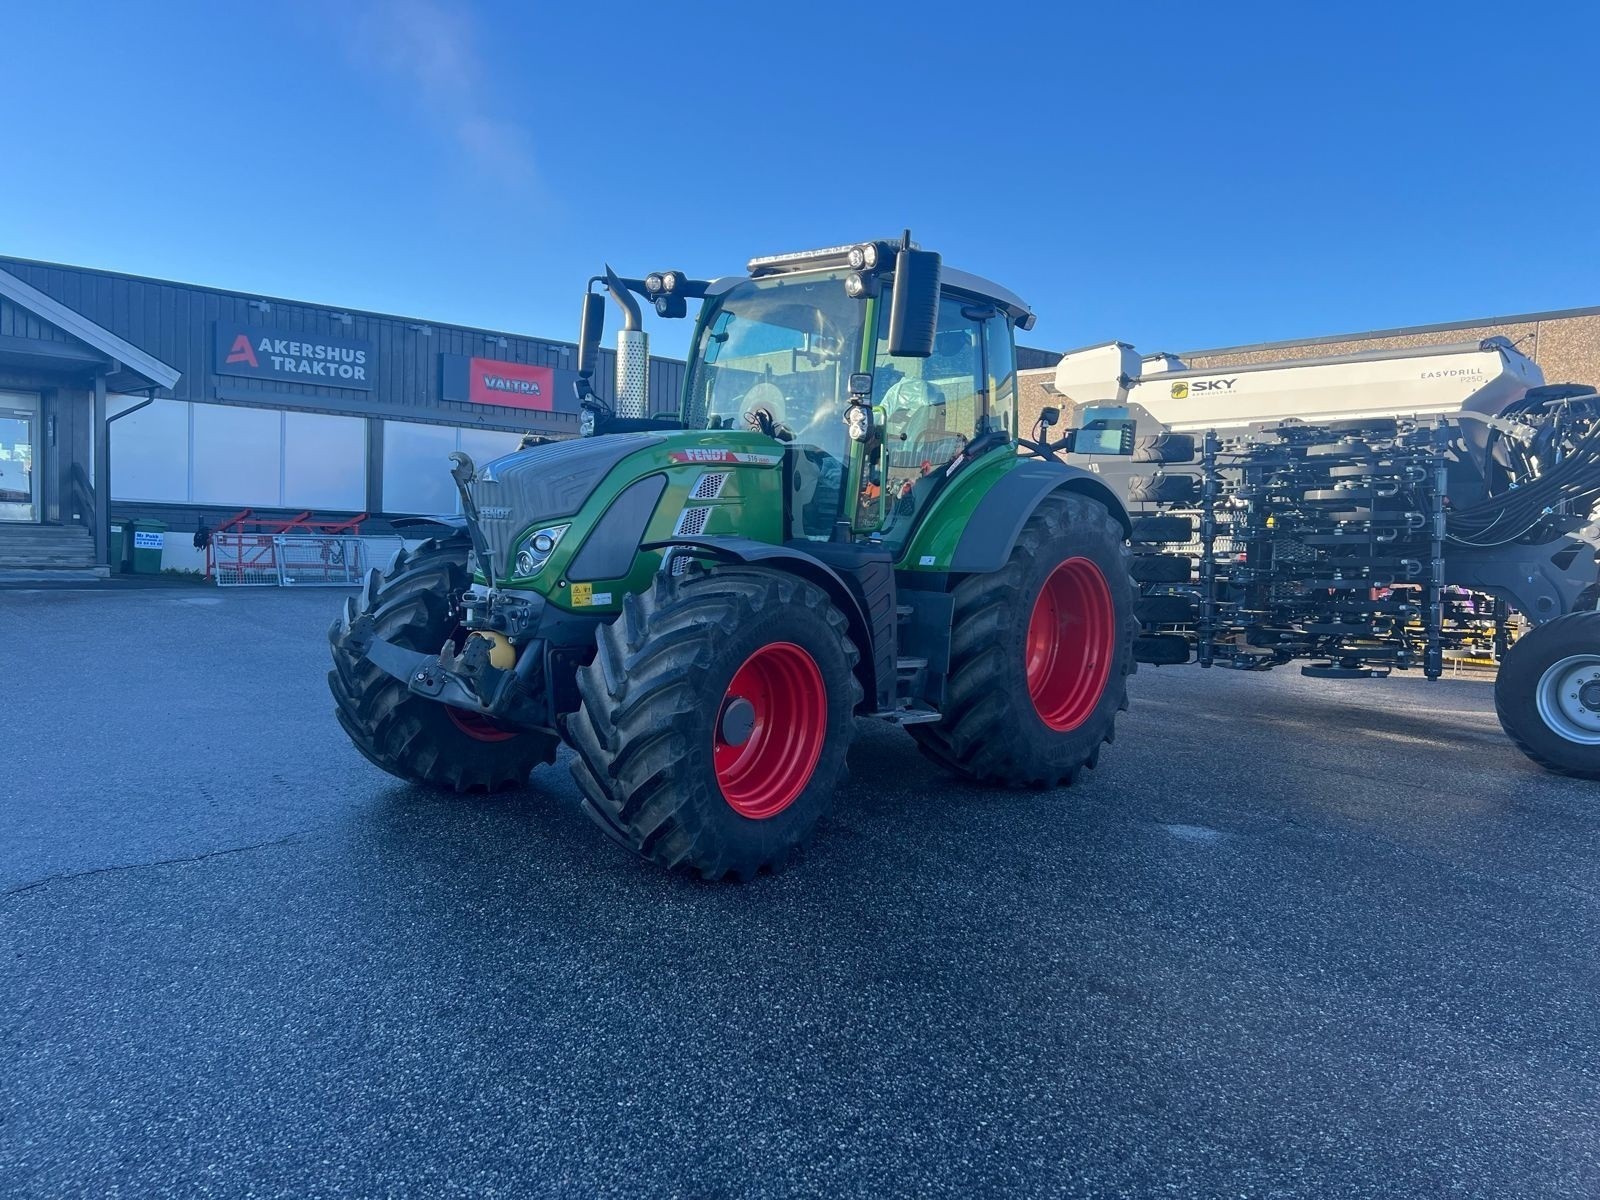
[911,714]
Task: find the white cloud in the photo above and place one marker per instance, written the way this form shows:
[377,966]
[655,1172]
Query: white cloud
[432,50]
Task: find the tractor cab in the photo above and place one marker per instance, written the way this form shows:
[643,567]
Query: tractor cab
[873,366]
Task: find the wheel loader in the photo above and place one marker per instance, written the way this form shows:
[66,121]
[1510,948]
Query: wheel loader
[838,521]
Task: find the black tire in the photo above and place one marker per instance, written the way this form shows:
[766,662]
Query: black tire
[654,702]
[1166,610]
[1160,568]
[1164,448]
[1161,649]
[1163,489]
[1532,669]
[1154,530]
[992,732]
[410,736]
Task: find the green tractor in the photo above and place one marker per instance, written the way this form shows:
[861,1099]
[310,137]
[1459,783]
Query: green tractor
[840,521]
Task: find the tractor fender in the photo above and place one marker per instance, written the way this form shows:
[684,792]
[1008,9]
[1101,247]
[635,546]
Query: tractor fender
[755,553]
[997,521]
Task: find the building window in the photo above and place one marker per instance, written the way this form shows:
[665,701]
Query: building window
[238,455]
[416,463]
[324,462]
[150,450]
[173,452]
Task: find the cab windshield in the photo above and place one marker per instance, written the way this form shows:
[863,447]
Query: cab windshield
[775,355]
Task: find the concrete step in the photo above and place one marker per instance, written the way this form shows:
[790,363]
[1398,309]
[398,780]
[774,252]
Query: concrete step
[21,532]
[13,578]
[35,553]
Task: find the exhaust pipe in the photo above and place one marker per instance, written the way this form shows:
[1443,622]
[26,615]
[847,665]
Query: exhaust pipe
[633,352]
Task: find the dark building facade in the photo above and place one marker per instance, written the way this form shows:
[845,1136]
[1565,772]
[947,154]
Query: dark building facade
[253,401]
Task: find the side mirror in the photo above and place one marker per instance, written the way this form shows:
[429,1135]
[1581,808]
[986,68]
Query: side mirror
[860,385]
[914,304]
[589,329]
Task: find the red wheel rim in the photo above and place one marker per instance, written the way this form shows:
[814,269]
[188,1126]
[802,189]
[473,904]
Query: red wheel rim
[769,730]
[478,728]
[1072,637]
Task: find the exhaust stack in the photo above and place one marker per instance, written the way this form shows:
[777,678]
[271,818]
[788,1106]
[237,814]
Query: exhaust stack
[633,352]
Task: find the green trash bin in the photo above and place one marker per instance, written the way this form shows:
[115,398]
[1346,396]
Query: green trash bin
[145,540]
[117,548]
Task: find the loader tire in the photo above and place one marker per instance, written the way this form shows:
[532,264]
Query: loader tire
[1547,694]
[715,720]
[1167,489]
[410,736]
[1040,653]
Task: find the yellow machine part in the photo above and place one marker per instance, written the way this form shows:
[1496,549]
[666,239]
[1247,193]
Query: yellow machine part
[502,655]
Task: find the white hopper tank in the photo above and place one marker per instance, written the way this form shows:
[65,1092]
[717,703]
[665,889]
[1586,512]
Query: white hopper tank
[1415,381]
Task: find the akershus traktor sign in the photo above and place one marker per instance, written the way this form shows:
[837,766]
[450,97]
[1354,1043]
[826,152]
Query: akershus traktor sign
[258,353]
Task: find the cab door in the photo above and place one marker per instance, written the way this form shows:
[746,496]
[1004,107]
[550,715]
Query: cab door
[929,409]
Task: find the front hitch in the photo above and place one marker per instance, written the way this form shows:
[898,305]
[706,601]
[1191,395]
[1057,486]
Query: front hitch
[463,679]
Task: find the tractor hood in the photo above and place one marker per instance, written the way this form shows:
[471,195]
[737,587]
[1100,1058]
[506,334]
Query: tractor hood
[544,483]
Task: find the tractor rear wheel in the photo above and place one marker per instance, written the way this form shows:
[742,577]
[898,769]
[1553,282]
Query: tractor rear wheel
[1547,694]
[1040,653]
[715,720]
[409,736]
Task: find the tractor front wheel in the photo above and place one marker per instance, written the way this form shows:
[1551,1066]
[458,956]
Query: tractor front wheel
[715,720]
[1040,653]
[416,739]
[1547,694]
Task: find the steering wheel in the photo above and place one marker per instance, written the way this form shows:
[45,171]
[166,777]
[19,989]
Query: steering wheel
[764,407]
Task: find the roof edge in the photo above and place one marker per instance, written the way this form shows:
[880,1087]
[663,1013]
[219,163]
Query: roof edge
[1552,314]
[73,322]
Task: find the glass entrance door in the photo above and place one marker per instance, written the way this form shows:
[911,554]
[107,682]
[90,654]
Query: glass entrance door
[19,477]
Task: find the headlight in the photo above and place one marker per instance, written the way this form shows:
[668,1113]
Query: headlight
[536,548]
[858,422]
[857,257]
[869,256]
[653,282]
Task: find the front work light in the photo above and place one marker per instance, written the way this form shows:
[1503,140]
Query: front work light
[858,422]
[536,548]
[858,286]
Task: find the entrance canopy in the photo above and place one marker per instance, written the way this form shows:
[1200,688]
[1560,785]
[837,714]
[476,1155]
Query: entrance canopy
[38,332]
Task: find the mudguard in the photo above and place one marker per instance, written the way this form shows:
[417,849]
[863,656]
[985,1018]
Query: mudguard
[808,566]
[987,541]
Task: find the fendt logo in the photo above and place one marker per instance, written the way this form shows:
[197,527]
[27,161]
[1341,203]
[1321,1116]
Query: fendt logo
[242,352]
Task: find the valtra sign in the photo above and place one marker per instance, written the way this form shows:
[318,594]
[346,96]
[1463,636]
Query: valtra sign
[490,381]
[256,353]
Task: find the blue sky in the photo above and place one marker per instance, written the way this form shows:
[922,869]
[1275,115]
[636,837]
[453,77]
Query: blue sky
[1176,176]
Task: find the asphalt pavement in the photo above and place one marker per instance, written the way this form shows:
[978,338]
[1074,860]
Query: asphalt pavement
[1293,938]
